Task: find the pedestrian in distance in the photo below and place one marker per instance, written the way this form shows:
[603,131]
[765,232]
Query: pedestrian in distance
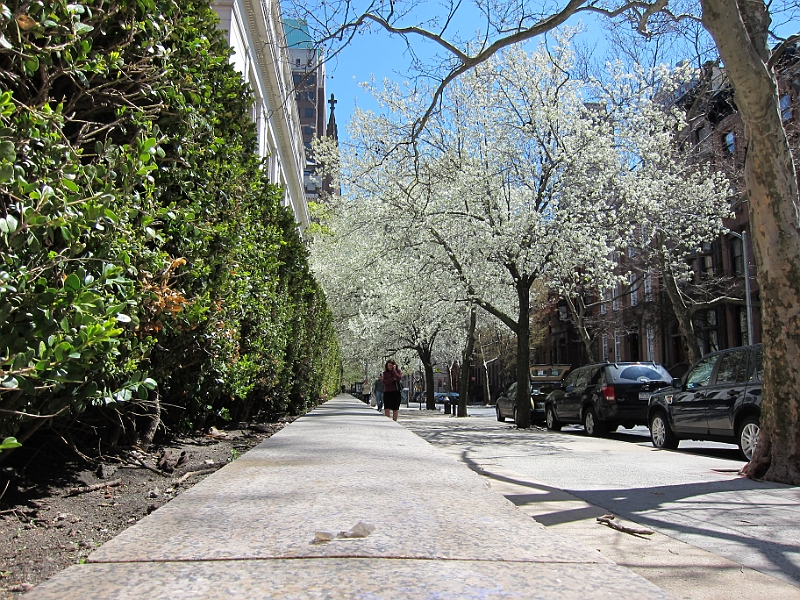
[377,389]
[366,390]
[391,377]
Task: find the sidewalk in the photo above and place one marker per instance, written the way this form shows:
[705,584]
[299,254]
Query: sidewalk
[439,531]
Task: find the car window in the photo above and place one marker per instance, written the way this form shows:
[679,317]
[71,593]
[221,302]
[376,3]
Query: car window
[732,367]
[512,389]
[572,378]
[700,375]
[640,372]
[583,377]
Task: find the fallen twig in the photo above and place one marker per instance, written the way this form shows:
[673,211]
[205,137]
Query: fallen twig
[609,520]
[16,512]
[188,474]
[146,466]
[92,488]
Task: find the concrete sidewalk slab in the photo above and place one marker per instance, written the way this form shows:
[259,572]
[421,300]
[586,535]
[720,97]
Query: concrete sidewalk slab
[247,531]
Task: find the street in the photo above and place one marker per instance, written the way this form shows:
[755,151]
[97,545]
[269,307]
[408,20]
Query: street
[692,495]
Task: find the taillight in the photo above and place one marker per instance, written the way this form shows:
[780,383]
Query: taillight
[608,393]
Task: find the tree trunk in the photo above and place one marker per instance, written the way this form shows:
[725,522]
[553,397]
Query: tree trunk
[578,314]
[683,315]
[430,401]
[771,182]
[487,391]
[466,359]
[155,421]
[523,355]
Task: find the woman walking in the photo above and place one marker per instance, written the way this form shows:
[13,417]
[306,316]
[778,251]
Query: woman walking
[391,389]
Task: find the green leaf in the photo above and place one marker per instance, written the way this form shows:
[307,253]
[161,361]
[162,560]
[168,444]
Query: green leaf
[9,224]
[10,443]
[6,172]
[10,383]
[63,350]
[81,28]
[70,185]
[32,63]
[72,283]
[8,151]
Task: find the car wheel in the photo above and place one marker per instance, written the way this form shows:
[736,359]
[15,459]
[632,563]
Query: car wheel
[591,424]
[661,433]
[550,419]
[748,437]
[500,416]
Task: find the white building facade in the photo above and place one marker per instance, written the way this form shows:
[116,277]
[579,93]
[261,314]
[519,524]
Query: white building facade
[255,32]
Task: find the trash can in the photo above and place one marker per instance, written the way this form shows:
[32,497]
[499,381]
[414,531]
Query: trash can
[447,407]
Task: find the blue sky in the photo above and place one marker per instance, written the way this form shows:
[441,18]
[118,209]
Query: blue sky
[380,56]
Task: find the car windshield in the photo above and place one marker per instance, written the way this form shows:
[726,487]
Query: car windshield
[639,373]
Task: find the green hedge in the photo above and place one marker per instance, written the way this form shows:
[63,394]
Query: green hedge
[148,267]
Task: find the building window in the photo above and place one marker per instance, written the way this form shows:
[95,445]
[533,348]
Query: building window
[309,113]
[729,141]
[651,343]
[562,312]
[310,96]
[617,347]
[648,287]
[634,290]
[298,62]
[604,346]
[615,299]
[737,256]
[786,108]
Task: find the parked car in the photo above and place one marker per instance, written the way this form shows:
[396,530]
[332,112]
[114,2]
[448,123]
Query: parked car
[542,380]
[719,399]
[506,405]
[604,396]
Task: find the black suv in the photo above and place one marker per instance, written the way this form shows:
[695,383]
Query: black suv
[719,399]
[604,396]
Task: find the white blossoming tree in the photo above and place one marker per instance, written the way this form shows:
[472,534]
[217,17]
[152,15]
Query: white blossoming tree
[671,206]
[513,170]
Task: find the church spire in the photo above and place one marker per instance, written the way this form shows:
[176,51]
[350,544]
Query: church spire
[332,131]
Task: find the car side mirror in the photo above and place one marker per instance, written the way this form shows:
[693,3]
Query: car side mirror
[677,384]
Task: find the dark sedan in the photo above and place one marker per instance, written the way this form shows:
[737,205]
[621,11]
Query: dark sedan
[719,399]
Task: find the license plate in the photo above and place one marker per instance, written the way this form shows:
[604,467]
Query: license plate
[644,396]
